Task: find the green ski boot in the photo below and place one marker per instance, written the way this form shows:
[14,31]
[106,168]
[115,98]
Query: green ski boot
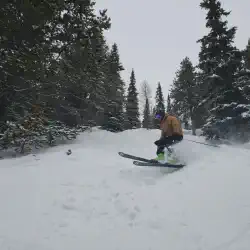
[160,158]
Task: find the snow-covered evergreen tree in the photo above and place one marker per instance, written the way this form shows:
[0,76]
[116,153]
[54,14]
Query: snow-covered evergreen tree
[71,76]
[219,62]
[146,105]
[159,103]
[183,93]
[132,104]
[247,55]
[146,122]
[114,108]
[169,107]
[243,81]
[159,99]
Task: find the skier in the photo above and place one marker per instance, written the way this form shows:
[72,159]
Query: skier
[171,133]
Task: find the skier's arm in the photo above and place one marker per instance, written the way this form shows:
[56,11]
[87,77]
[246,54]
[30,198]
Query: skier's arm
[162,134]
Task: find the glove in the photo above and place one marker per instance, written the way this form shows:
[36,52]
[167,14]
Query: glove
[158,142]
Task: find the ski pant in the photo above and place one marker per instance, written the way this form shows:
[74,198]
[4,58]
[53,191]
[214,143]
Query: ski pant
[166,142]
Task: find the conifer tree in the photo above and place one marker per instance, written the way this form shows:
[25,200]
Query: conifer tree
[219,61]
[247,56]
[146,122]
[114,108]
[83,80]
[54,79]
[159,103]
[146,104]
[169,108]
[243,80]
[132,104]
[33,60]
[183,93]
[159,99]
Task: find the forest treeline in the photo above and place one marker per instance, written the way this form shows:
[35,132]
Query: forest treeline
[59,76]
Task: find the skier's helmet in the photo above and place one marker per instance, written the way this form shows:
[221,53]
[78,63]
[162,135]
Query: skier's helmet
[160,115]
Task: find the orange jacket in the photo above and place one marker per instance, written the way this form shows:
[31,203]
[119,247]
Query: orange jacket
[170,125]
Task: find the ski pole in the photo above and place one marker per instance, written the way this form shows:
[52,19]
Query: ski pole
[204,143]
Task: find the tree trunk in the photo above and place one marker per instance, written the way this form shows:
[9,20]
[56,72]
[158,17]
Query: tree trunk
[193,128]
[193,123]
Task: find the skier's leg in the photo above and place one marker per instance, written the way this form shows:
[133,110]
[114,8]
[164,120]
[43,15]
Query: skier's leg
[174,139]
[166,142]
[161,144]
[171,157]
[160,150]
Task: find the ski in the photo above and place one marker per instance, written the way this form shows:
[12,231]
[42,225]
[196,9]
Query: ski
[140,161]
[158,164]
[137,158]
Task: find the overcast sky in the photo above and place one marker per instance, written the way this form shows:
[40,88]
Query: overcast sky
[154,36]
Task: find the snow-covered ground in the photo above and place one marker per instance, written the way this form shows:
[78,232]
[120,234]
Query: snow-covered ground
[93,199]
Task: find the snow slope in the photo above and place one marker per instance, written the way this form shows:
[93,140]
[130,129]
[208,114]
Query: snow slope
[94,199]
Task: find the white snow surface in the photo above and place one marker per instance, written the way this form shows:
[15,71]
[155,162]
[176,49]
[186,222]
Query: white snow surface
[94,199]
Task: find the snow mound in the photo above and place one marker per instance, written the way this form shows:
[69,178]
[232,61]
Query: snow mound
[93,199]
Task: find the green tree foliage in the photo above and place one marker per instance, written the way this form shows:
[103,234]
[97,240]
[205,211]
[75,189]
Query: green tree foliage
[132,104]
[114,108]
[169,107]
[159,103]
[57,67]
[146,122]
[184,93]
[219,63]
[147,113]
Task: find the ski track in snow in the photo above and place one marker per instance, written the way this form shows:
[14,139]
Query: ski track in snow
[94,199]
